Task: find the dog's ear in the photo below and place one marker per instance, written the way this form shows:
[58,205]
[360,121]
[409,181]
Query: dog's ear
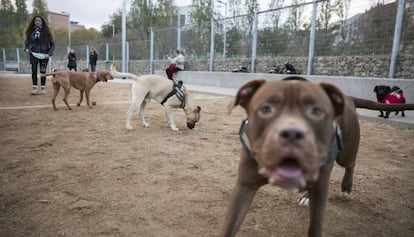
[245,93]
[336,96]
[375,89]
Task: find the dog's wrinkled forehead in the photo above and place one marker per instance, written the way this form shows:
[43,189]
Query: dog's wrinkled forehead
[291,92]
[252,95]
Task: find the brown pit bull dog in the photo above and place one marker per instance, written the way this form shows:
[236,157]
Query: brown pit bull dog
[291,137]
[83,81]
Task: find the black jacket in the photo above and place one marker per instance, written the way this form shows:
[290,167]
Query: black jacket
[93,57]
[72,60]
[37,44]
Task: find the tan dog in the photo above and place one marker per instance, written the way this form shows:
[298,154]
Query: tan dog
[158,88]
[291,138]
[83,81]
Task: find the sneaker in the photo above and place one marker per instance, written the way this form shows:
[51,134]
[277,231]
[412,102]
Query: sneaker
[43,90]
[34,90]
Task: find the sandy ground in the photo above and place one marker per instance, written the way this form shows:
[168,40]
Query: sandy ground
[81,173]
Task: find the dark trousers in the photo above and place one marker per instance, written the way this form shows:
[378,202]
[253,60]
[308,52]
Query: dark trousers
[171,70]
[93,68]
[43,65]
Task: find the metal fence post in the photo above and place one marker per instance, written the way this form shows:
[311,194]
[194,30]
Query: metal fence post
[212,46]
[106,52]
[312,38]
[151,66]
[18,59]
[4,58]
[254,42]
[212,38]
[179,33]
[87,56]
[51,62]
[127,57]
[123,35]
[397,35]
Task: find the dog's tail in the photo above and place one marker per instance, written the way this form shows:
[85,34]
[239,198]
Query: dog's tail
[368,104]
[55,71]
[115,73]
[48,74]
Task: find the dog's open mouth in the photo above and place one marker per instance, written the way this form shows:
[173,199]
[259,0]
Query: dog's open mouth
[288,174]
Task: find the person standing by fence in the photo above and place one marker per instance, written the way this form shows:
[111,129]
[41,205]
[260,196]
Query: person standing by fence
[72,60]
[39,44]
[176,64]
[93,57]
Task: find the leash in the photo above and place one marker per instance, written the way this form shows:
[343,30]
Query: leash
[405,87]
[334,149]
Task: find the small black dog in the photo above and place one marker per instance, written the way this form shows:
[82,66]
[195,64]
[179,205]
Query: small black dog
[388,95]
[287,68]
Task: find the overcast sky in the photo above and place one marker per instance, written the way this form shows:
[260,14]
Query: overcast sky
[96,13]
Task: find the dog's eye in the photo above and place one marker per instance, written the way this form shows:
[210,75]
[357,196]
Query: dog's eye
[316,112]
[266,110]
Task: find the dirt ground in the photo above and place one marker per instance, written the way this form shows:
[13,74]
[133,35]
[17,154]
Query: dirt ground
[81,173]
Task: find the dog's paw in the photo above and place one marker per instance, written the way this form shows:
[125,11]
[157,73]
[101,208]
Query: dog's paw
[145,125]
[304,201]
[129,127]
[174,128]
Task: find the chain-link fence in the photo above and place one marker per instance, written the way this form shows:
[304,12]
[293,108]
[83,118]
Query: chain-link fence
[281,32]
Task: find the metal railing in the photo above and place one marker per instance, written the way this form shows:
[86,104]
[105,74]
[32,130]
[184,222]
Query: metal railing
[290,31]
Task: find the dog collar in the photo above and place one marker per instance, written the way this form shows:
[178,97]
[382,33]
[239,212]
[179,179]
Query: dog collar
[336,144]
[334,149]
[244,140]
[96,76]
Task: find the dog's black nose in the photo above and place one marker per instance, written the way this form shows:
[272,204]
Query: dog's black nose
[190,125]
[292,135]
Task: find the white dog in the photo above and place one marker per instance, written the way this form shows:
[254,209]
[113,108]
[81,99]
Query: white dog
[165,92]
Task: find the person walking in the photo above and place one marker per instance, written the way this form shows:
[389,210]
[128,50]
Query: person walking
[176,64]
[40,46]
[72,60]
[93,57]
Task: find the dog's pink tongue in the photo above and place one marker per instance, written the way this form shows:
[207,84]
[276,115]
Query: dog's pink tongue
[283,174]
[289,172]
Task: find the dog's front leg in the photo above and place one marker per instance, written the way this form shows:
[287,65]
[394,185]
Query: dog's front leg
[318,195]
[240,201]
[248,182]
[170,121]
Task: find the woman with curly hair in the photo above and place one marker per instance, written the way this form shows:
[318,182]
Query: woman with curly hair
[39,44]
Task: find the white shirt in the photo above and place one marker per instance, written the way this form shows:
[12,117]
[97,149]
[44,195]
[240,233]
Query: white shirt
[179,61]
